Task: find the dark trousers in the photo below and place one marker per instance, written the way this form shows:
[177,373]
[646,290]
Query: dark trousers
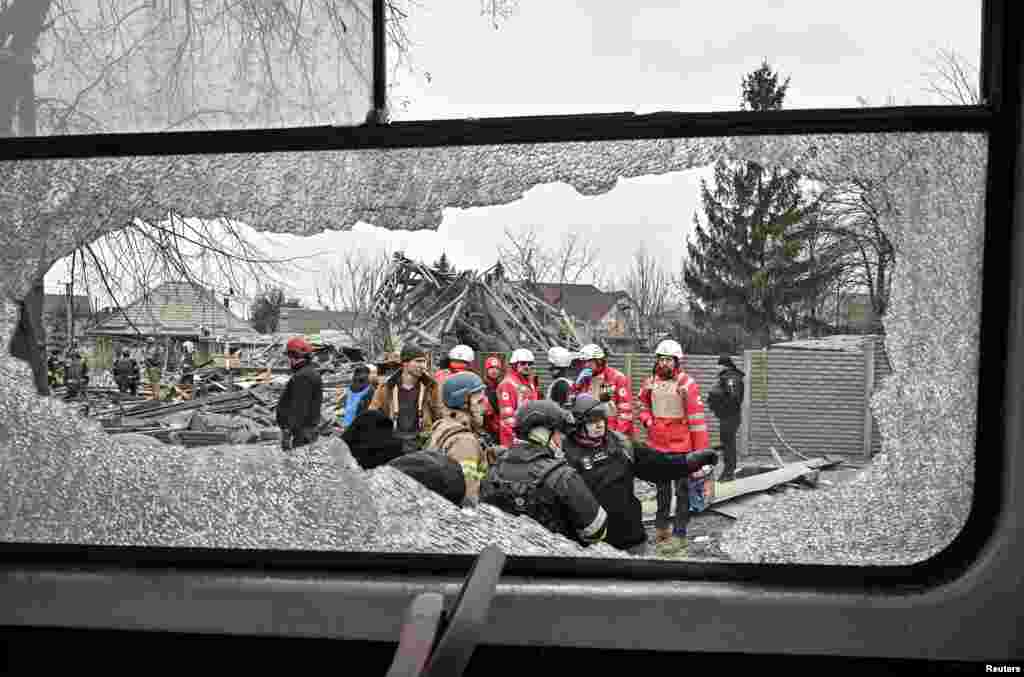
[730,426]
[681,488]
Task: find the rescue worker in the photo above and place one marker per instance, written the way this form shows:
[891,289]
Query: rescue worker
[76,374]
[357,399]
[373,377]
[494,372]
[533,478]
[457,433]
[126,373]
[188,369]
[726,402]
[673,414]
[154,366]
[608,461]
[459,359]
[561,361]
[53,368]
[608,385]
[298,409]
[515,389]
[410,398]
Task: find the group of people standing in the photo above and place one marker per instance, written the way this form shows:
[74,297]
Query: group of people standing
[567,459]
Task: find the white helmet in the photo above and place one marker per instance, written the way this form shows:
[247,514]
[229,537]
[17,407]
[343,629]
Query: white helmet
[462,353]
[188,345]
[560,357]
[669,348]
[521,355]
[592,351]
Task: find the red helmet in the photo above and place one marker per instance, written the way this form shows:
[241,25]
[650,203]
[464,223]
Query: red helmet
[298,344]
[493,361]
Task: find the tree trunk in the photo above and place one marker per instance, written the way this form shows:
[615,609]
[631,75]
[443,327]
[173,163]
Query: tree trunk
[20,26]
[29,340]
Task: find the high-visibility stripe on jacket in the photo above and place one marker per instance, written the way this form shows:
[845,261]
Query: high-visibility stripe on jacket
[673,412]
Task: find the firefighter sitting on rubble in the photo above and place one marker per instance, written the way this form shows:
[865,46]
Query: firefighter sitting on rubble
[126,373]
[608,461]
[533,478]
[458,433]
[298,410]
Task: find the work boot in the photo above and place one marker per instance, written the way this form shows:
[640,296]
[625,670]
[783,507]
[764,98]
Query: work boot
[728,475]
[675,547]
[662,534]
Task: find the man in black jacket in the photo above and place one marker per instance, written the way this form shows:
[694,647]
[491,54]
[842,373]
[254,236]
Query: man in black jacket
[608,461]
[726,402]
[298,410]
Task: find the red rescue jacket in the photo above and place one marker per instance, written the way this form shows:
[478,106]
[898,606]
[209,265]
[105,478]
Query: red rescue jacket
[673,413]
[621,419]
[512,392]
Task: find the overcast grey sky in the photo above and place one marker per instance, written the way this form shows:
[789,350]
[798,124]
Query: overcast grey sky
[565,56]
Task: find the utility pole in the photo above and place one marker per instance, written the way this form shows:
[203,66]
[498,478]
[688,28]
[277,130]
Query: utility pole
[70,315]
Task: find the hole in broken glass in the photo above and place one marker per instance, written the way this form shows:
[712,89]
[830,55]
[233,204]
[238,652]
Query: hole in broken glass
[914,197]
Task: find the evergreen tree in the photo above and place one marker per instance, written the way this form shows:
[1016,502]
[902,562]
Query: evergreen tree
[442,265]
[755,263]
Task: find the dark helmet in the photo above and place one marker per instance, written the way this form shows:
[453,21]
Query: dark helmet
[459,387]
[542,413]
[125,352]
[586,406]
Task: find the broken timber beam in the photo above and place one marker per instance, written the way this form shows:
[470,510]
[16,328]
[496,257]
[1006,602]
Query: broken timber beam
[726,491]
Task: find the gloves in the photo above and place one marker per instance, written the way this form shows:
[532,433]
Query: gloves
[607,391]
[584,376]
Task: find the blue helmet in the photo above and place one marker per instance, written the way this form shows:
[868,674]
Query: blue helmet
[458,388]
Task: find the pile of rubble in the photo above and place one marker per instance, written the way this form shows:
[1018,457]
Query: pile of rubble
[433,308]
[241,417]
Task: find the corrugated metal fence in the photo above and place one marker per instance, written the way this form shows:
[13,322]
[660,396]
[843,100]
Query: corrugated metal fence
[816,400]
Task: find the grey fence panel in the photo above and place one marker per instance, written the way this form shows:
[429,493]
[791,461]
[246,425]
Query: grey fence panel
[882,371]
[815,399]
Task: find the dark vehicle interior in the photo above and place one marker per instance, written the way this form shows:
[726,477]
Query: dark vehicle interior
[132,608]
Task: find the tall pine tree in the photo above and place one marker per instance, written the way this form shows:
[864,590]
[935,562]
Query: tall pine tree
[753,264]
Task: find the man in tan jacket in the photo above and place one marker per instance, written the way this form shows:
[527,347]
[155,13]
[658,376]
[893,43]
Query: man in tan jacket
[458,433]
[410,398]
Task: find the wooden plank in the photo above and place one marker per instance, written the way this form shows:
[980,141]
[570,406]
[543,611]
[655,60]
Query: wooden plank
[727,491]
[741,506]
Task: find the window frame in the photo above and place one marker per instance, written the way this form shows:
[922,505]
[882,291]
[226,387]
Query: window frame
[678,605]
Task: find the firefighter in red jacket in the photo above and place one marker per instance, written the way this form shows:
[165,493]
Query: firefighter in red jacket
[459,359]
[673,414]
[517,388]
[608,385]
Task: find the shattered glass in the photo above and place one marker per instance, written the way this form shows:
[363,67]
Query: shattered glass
[72,483]
[119,66]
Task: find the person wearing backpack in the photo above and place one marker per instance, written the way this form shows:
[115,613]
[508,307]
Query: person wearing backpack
[726,402]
